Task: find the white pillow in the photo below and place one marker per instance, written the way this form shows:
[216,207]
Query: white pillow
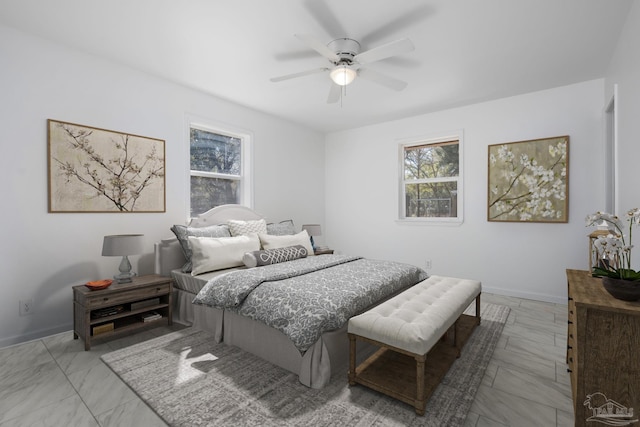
[218,253]
[243,228]
[273,242]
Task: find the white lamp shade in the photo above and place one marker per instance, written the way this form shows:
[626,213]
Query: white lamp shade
[342,75]
[122,245]
[313,229]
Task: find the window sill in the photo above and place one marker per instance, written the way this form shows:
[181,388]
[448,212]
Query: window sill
[447,222]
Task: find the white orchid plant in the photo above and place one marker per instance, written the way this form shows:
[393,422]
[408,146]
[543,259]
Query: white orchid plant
[616,246]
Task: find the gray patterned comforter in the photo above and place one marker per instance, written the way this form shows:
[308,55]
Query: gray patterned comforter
[306,297]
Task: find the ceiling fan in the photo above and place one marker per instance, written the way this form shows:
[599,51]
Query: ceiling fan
[347,62]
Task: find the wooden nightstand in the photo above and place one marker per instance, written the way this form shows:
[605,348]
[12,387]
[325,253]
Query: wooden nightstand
[120,308]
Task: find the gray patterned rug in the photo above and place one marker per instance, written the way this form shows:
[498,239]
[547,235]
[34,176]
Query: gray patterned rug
[190,381]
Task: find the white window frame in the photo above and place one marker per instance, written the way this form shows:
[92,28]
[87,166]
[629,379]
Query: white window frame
[435,139]
[246,163]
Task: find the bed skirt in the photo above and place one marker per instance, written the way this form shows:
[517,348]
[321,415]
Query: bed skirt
[313,368]
[198,316]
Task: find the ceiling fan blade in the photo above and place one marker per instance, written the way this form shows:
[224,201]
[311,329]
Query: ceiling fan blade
[325,17]
[385,51]
[400,23]
[300,74]
[334,93]
[382,79]
[299,54]
[318,46]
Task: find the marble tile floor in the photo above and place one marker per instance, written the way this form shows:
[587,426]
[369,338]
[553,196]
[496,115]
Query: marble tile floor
[54,382]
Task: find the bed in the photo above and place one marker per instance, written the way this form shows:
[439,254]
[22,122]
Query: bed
[236,322]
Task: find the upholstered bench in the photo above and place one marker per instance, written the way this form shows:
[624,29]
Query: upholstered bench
[409,327]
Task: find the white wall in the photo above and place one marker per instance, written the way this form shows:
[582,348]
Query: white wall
[44,255]
[526,260]
[624,71]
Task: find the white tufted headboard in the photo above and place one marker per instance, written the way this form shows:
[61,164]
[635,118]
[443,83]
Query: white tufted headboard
[168,252]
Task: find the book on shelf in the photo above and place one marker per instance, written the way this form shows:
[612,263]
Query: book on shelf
[151,316]
[101,329]
[109,311]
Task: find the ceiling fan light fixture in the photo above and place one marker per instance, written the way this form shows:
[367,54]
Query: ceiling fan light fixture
[342,75]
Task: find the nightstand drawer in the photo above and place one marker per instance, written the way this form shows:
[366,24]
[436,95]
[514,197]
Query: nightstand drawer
[106,300]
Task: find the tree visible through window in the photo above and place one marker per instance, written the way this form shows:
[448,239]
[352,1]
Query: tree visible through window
[216,169]
[431,179]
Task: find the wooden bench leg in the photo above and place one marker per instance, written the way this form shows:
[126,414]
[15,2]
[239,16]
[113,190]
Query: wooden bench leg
[420,403]
[456,341]
[478,309]
[352,359]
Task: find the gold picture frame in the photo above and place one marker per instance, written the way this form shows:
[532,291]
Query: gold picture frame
[529,181]
[100,170]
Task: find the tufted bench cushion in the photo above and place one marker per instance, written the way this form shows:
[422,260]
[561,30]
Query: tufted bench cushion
[415,319]
[412,324]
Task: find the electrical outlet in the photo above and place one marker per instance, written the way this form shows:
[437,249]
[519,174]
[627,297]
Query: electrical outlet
[427,264]
[26,307]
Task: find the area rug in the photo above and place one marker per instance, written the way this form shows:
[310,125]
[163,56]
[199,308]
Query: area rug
[188,380]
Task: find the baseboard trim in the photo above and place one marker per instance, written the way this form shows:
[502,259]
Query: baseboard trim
[34,335]
[526,295]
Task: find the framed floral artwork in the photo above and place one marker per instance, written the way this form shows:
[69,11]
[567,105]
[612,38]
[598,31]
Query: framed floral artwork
[99,170]
[529,181]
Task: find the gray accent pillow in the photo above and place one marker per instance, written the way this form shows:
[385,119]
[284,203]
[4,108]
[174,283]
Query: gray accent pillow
[183,232]
[282,228]
[274,256]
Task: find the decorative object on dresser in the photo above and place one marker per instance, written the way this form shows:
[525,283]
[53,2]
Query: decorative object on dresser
[603,343]
[313,230]
[96,285]
[614,255]
[595,257]
[123,245]
[622,289]
[114,311]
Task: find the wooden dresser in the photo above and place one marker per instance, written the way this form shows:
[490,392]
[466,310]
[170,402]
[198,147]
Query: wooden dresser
[603,352]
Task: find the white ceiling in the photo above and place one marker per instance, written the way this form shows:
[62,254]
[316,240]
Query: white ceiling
[467,51]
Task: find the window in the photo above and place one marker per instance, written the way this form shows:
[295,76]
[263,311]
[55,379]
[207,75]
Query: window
[219,173]
[431,180]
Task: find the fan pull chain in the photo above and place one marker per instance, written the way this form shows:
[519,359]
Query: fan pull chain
[343,92]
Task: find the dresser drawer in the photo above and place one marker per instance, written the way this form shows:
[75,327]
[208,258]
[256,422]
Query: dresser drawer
[128,296]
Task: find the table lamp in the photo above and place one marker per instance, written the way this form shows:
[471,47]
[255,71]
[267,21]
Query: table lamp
[123,245]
